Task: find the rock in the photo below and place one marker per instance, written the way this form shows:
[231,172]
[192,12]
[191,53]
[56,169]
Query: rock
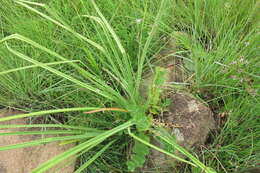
[194,117]
[194,120]
[189,119]
[25,159]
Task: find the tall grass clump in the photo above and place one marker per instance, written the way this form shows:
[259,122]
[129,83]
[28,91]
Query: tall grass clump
[223,44]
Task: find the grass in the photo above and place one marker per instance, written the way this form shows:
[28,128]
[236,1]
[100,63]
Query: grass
[91,56]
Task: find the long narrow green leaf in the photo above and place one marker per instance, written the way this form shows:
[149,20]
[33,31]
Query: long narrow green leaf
[58,73]
[102,85]
[93,78]
[93,158]
[47,132]
[184,152]
[33,66]
[53,111]
[120,46]
[33,3]
[159,149]
[66,27]
[88,144]
[124,67]
[127,64]
[48,140]
[148,42]
[23,3]
[47,126]
[113,67]
[123,61]
[33,43]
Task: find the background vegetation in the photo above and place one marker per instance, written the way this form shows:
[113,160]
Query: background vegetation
[222,44]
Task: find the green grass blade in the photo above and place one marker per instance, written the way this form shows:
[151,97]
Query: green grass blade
[33,66]
[68,28]
[114,59]
[123,69]
[33,3]
[88,144]
[33,43]
[48,140]
[87,163]
[61,74]
[120,46]
[46,113]
[147,44]
[93,78]
[23,3]
[159,149]
[47,132]
[186,153]
[123,62]
[47,126]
